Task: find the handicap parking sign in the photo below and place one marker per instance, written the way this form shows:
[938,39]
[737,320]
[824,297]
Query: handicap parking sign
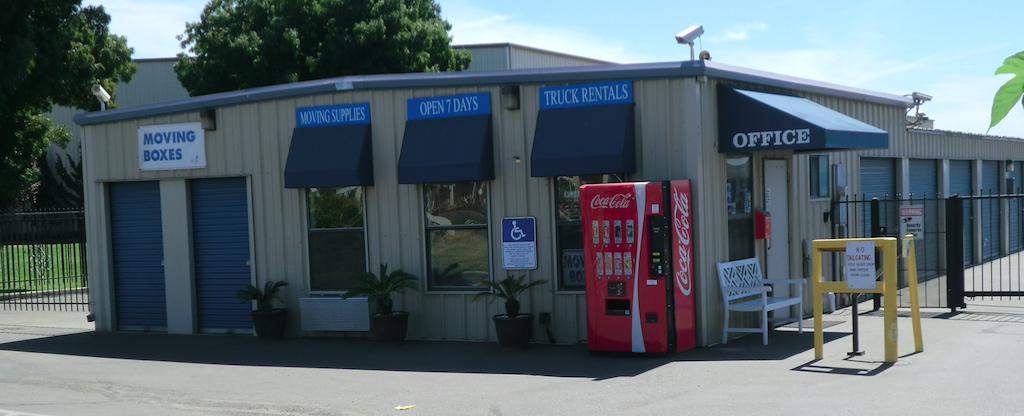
[519,243]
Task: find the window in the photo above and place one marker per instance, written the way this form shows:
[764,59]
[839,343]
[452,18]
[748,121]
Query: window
[818,168]
[337,244]
[457,241]
[570,227]
[739,189]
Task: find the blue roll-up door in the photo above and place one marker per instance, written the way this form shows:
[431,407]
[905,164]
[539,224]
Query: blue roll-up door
[991,220]
[136,234]
[923,190]
[220,236]
[960,180]
[878,180]
[1016,232]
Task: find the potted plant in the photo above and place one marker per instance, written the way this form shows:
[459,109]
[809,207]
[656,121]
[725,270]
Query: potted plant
[268,322]
[513,328]
[388,326]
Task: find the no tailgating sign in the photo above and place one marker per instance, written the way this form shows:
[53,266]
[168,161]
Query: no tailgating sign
[172,146]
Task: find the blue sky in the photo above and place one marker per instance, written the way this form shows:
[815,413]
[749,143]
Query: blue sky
[947,49]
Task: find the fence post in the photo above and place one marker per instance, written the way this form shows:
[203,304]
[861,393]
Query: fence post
[877,230]
[955,253]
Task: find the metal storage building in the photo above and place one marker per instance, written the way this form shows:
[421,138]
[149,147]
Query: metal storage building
[715,124]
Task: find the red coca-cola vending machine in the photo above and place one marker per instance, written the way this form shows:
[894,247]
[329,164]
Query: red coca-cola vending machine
[638,248]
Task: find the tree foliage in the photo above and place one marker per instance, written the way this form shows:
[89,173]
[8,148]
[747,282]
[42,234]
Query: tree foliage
[1009,94]
[51,52]
[241,44]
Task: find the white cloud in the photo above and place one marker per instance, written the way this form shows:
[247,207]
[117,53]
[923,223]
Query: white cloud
[737,33]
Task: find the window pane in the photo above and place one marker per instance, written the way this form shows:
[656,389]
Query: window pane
[739,203]
[336,207]
[570,248]
[456,203]
[334,256]
[457,258]
[814,177]
[823,171]
[570,231]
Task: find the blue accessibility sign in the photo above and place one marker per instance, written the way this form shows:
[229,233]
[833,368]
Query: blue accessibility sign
[519,243]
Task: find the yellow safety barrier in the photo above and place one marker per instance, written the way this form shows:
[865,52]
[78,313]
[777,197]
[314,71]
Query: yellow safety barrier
[887,287]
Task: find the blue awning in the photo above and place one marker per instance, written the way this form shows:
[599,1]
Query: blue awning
[584,140]
[751,121]
[447,149]
[329,156]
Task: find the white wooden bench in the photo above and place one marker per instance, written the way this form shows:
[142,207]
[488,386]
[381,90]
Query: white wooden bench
[744,289]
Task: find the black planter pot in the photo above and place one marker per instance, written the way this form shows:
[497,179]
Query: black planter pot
[390,329]
[270,325]
[514,333]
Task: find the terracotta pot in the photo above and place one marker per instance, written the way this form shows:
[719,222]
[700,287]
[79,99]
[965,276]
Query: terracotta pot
[514,333]
[270,325]
[390,329]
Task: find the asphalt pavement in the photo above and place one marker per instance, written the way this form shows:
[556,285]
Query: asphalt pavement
[53,364]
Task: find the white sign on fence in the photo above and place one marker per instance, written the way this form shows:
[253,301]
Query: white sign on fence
[860,265]
[912,221]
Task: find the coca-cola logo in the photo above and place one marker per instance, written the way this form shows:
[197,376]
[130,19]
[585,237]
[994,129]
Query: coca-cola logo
[615,201]
[681,224]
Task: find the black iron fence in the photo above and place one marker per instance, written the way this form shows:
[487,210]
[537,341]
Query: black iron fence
[969,247]
[865,216]
[43,262]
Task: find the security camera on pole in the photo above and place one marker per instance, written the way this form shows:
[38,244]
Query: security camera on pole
[102,95]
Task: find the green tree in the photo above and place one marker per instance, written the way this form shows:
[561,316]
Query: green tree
[51,52]
[1009,94]
[241,44]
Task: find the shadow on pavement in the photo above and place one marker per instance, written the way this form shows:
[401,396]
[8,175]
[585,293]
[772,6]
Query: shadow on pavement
[421,356]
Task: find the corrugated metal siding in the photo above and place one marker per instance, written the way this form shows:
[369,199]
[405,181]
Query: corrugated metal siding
[220,234]
[961,182]
[990,215]
[488,58]
[520,58]
[136,235]
[924,175]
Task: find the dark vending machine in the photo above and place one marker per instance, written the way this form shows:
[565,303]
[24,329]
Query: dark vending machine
[638,248]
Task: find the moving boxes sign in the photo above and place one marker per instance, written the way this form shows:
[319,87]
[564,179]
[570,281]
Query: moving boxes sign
[172,146]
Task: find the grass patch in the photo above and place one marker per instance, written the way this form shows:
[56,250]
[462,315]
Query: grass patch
[41,267]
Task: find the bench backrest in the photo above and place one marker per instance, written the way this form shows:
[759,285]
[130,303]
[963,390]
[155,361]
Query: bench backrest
[739,273]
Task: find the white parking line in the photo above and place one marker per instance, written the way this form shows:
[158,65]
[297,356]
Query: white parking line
[14,413]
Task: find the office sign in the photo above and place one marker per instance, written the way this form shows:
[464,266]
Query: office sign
[518,243]
[582,95]
[332,115]
[448,106]
[172,146]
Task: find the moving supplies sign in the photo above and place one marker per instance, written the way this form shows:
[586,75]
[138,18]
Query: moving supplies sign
[172,146]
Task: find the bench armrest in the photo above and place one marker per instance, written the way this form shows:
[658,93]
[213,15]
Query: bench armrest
[785,281]
[752,290]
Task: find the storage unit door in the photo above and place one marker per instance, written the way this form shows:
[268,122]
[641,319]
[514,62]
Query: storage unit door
[923,190]
[1016,205]
[960,180]
[137,242]
[220,237]
[878,180]
[991,220]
